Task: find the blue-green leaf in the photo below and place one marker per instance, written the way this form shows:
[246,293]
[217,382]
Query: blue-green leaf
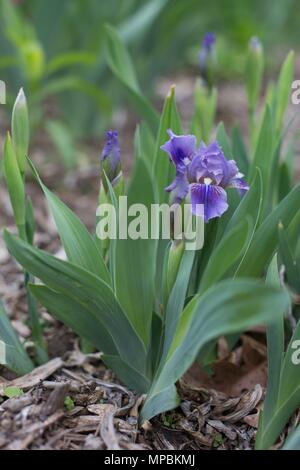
[78,243]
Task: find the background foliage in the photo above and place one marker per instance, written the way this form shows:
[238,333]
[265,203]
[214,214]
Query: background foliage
[44,47]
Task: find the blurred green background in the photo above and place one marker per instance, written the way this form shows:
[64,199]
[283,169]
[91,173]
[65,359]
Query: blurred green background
[57,50]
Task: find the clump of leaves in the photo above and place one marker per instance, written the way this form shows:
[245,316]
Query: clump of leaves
[151,308]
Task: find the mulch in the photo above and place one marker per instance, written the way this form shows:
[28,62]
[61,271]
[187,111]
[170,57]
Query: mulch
[76,403]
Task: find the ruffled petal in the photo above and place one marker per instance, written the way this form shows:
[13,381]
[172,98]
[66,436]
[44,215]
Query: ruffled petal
[180,148]
[239,184]
[230,172]
[213,198]
[197,170]
[214,161]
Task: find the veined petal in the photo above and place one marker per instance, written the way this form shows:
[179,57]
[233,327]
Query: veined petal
[214,161]
[239,184]
[180,148]
[231,171]
[196,169]
[179,187]
[212,197]
[223,172]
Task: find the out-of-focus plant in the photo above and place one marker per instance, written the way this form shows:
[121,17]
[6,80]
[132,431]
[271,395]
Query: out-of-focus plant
[75,66]
[205,93]
[58,47]
[253,78]
[207,59]
[44,78]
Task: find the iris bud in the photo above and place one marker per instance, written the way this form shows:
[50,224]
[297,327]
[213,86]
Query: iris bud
[20,129]
[175,255]
[111,162]
[15,185]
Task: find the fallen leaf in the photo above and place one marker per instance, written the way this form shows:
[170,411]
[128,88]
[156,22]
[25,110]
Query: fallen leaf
[100,409]
[240,371]
[34,377]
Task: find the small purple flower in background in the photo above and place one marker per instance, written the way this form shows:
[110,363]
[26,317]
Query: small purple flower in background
[111,157]
[207,58]
[111,149]
[208,41]
[203,172]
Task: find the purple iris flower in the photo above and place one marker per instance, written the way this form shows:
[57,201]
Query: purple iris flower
[110,157]
[203,172]
[208,41]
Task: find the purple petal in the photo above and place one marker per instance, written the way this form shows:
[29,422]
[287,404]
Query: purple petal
[180,148]
[208,40]
[230,172]
[222,171]
[213,198]
[197,169]
[111,150]
[214,161]
[234,179]
[179,187]
[239,184]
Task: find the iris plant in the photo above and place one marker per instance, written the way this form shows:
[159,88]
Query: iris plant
[113,295]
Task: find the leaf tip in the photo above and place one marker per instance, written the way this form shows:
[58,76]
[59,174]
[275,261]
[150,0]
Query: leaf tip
[171,92]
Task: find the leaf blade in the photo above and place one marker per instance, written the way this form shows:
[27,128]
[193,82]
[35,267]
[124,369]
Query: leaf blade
[78,243]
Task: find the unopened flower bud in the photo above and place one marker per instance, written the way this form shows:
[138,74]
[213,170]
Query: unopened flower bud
[20,129]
